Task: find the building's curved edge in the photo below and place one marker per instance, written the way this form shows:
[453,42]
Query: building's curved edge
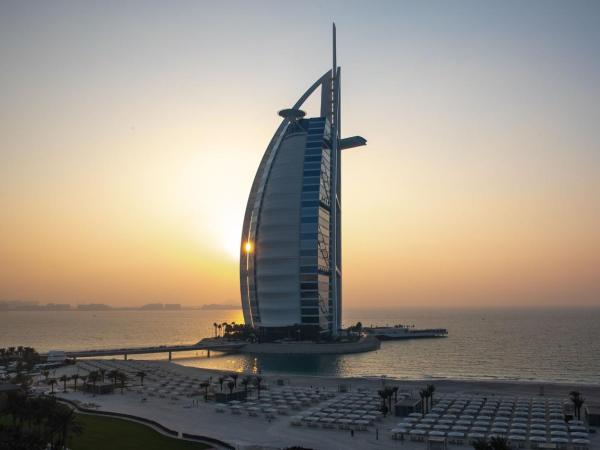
[213,442]
[365,344]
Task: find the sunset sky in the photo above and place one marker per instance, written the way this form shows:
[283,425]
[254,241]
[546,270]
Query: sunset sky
[130,133]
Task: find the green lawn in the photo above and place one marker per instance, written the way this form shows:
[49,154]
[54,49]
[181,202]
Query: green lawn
[117,434]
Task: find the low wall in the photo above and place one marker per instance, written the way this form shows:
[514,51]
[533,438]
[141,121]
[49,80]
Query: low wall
[157,426]
[365,344]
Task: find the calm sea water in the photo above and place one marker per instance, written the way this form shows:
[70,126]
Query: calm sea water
[556,345]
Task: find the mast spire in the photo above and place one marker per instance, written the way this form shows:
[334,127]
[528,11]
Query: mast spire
[334,69]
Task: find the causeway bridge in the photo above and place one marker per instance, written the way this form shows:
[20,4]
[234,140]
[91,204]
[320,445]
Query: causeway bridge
[205,344]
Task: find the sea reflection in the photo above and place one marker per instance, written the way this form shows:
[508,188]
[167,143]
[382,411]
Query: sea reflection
[271,364]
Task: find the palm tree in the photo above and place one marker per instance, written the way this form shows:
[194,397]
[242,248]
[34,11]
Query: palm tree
[498,443]
[234,377]
[481,444]
[389,392]
[64,380]
[221,380]
[75,377]
[52,382]
[84,379]
[219,326]
[141,374]
[257,381]
[93,377]
[113,374]
[45,372]
[575,397]
[395,390]
[122,376]
[204,385]
[430,391]
[231,386]
[358,327]
[245,382]
[383,394]
[423,395]
[215,327]
[102,373]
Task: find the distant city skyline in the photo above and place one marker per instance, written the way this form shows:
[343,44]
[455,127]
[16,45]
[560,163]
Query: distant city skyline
[130,135]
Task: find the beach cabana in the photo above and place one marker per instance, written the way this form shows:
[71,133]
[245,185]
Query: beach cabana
[536,440]
[474,436]
[560,442]
[417,435]
[398,433]
[456,437]
[580,444]
[517,439]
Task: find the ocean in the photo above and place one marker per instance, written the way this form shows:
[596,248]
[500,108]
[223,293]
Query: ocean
[559,345]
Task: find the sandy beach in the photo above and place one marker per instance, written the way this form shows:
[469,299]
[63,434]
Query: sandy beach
[173,407]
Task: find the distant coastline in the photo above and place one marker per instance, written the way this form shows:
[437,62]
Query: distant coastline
[34,306]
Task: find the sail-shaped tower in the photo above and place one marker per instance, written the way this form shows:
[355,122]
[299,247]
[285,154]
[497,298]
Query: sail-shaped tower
[291,246]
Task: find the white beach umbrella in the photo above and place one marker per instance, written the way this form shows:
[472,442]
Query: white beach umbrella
[417,432]
[579,435]
[459,428]
[456,434]
[537,433]
[516,438]
[556,433]
[476,435]
[537,439]
[436,433]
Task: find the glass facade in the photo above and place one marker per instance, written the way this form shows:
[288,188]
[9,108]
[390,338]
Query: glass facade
[315,261]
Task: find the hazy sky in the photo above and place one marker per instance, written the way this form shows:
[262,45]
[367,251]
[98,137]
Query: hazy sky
[130,133]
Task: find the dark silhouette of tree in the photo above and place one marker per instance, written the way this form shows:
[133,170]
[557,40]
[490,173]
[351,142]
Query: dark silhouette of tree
[75,377]
[205,385]
[64,380]
[52,382]
[258,382]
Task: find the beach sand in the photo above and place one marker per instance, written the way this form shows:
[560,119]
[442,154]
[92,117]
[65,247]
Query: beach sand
[244,431]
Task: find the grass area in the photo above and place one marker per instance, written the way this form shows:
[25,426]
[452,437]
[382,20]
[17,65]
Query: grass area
[118,434]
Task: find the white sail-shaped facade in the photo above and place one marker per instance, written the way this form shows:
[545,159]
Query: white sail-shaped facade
[290,259]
